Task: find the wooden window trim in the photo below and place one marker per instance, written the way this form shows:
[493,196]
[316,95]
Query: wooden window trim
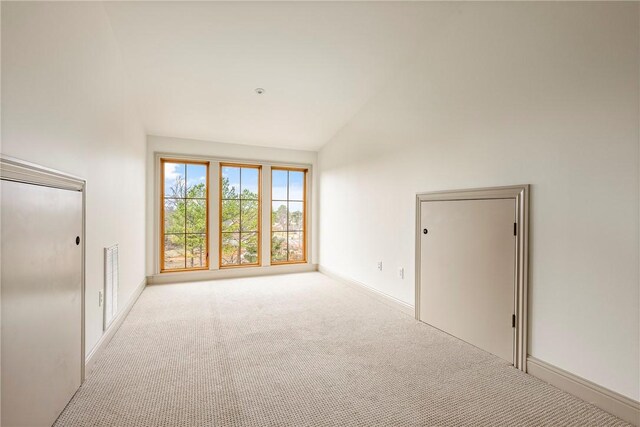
[304,216]
[258,262]
[162,199]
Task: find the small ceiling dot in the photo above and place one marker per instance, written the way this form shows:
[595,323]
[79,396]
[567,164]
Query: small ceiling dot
[259,91]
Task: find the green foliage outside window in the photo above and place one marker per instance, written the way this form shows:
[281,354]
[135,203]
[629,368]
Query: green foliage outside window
[287,216]
[185,215]
[239,225]
[185,225]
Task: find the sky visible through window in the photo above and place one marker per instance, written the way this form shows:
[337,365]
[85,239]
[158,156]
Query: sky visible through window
[185,212]
[185,216]
[287,216]
[239,215]
[279,181]
[196,174]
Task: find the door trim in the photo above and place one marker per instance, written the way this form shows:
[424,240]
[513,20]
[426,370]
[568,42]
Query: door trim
[520,194]
[12,169]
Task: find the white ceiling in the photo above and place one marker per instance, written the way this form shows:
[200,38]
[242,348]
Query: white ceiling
[194,65]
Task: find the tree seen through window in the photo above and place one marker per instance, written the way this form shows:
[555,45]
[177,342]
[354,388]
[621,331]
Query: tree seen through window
[287,215]
[185,239]
[239,216]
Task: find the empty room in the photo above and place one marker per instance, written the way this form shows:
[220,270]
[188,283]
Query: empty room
[319,213]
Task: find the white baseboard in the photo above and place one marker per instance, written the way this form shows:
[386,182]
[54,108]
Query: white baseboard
[90,361]
[229,273]
[380,296]
[608,400]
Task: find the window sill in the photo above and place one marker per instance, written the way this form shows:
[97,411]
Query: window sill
[229,273]
[184,270]
[288,263]
[224,267]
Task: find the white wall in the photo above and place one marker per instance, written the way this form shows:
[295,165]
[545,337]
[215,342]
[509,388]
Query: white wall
[65,106]
[510,93]
[179,146]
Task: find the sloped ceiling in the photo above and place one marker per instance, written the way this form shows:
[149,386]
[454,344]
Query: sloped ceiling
[194,66]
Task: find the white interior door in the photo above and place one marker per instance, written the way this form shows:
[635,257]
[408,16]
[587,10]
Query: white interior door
[41,302]
[467,271]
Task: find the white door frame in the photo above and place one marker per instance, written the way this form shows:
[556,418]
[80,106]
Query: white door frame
[12,169]
[520,194]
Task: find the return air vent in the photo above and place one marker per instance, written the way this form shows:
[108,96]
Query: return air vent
[110,284]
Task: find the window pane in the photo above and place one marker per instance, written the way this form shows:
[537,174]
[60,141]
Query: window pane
[196,181]
[196,250]
[240,216]
[279,216]
[174,215]
[249,183]
[174,185]
[174,251]
[296,185]
[185,205]
[230,215]
[249,248]
[278,185]
[279,246]
[296,246]
[196,216]
[249,215]
[296,217]
[287,215]
[230,182]
[230,247]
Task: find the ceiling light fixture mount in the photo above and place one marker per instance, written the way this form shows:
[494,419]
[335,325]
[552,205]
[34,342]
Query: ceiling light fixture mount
[259,90]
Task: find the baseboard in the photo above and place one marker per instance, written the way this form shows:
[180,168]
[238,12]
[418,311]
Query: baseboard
[380,296]
[112,329]
[621,406]
[608,400]
[229,273]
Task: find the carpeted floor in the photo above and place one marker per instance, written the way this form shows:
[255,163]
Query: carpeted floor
[302,350]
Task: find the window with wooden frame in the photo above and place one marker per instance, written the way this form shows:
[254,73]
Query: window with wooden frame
[184,234]
[240,215]
[288,215]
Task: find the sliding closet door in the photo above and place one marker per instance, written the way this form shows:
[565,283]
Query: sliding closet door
[41,302]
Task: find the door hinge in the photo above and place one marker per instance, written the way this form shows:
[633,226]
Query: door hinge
[515,228]
[513,320]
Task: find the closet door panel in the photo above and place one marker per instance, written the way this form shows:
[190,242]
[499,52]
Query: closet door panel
[41,268]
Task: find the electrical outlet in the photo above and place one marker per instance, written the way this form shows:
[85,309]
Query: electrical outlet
[100,298]
[401,272]
[380,265]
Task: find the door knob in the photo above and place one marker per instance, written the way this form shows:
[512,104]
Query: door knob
[425,231]
[77,240]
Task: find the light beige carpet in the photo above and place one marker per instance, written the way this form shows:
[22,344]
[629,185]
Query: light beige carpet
[302,350]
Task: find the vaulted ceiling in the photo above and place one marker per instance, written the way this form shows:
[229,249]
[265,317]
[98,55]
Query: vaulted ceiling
[194,66]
